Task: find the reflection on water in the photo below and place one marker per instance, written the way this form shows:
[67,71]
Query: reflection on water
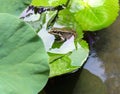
[88,83]
[95,66]
[100,74]
[106,65]
[108,50]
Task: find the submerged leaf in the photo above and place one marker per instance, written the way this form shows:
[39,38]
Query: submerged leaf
[23,60]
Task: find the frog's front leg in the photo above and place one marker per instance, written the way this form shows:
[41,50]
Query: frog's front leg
[59,38]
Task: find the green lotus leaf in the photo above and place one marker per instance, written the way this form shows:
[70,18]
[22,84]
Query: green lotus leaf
[14,7]
[40,2]
[23,60]
[48,2]
[93,15]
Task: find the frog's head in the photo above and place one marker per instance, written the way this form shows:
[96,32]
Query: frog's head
[55,31]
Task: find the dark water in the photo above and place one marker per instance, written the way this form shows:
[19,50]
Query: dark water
[100,74]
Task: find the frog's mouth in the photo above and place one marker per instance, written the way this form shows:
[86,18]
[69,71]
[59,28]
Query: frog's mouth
[53,32]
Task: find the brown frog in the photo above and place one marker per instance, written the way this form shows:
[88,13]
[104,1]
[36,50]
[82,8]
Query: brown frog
[62,34]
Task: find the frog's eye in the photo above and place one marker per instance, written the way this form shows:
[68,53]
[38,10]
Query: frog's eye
[55,31]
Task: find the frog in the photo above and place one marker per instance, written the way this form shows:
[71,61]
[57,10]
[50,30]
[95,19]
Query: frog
[62,34]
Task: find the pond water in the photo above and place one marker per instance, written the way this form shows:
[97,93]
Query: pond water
[101,72]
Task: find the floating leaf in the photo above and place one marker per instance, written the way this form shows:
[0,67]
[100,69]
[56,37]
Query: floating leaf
[61,66]
[95,14]
[23,60]
[66,63]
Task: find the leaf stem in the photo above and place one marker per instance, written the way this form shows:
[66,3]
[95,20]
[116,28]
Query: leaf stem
[67,3]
